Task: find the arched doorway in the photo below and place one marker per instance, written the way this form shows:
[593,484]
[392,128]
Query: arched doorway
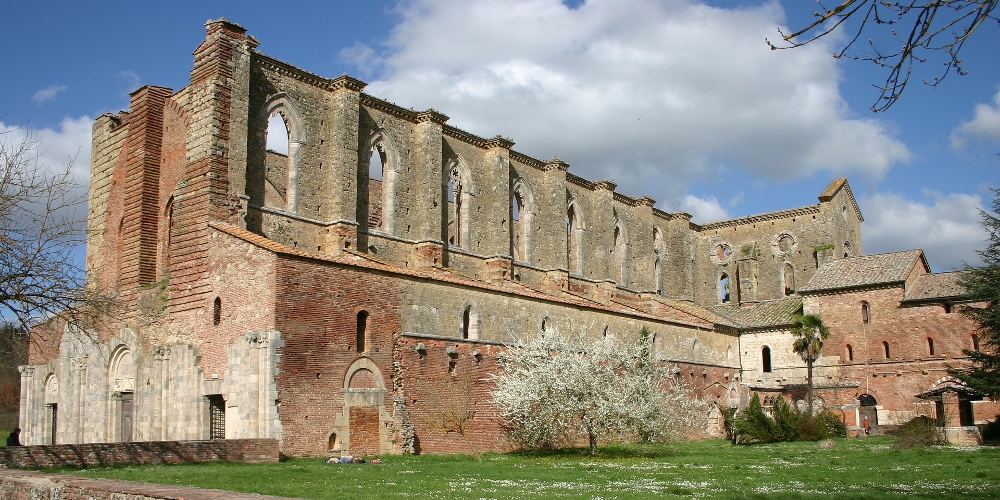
[867,408]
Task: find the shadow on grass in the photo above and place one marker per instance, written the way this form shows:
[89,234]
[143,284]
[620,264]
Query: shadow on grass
[617,451]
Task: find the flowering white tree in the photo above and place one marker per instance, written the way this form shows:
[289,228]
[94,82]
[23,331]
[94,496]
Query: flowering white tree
[554,389]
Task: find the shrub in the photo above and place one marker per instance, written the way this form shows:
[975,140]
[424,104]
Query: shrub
[918,432]
[787,420]
[754,426]
[823,425]
[991,431]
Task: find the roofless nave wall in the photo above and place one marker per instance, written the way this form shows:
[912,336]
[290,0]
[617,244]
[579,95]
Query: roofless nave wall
[300,298]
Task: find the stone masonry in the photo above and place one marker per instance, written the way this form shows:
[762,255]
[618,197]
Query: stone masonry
[335,306]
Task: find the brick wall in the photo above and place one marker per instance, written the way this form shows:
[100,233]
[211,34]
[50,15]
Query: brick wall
[149,452]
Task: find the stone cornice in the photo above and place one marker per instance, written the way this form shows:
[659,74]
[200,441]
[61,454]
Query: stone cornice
[556,164]
[499,141]
[605,185]
[388,107]
[527,160]
[464,136]
[751,219]
[285,69]
[579,181]
[431,116]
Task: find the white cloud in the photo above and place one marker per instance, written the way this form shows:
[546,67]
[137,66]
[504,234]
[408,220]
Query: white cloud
[945,226]
[132,80]
[703,209]
[985,124]
[59,148]
[48,94]
[649,93]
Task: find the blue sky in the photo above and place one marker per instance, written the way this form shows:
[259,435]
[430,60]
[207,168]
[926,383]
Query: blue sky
[677,99]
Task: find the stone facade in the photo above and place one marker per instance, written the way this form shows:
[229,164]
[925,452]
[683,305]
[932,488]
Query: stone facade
[305,298]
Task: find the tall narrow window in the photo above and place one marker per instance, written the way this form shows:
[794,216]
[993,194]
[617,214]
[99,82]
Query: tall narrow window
[724,288]
[849,351]
[619,261]
[217,311]
[659,248]
[574,233]
[864,312]
[276,162]
[847,249]
[930,346]
[362,331]
[656,276]
[885,349]
[788,279]
[975,343]
[765,358]
[466,319]
[522,215]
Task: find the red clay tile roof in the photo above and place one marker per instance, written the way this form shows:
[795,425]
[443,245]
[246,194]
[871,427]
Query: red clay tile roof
[866,270]
[935,286]
[450,276]
[764,314]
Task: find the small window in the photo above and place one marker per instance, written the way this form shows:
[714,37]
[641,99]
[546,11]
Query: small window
[765,356]
[849,351]
[362,331]
[947,308]
[545,324]
[217,311]
[975,343]
[885,348]
[466,319]
[724,288]
[930,346]
[864,313]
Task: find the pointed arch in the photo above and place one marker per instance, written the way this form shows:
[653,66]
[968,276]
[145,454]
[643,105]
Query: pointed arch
[285,107]
[574,237]
[787,279]
[380,143]
[659,249]
[522,204]
[457,196]
[619,252]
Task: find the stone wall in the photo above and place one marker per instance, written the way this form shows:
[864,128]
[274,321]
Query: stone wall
[150,452]
[25,485]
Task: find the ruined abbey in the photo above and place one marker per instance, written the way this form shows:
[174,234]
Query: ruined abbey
[334,306]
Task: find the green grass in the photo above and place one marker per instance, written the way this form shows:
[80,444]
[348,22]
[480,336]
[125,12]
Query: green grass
[860,468]
[3,437]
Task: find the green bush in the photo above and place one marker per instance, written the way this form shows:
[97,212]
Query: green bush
[754,426]
[918,432]
[787,424]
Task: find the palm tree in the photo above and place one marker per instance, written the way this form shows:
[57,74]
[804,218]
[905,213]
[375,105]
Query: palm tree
[810,332]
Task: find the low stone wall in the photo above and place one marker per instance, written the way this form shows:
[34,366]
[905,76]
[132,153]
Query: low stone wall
[148,452]
[31,485]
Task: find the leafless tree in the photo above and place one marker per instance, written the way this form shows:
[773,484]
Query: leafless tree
[42,232]
[919,30]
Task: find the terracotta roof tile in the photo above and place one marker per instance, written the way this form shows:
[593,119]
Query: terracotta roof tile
[447,275]
[762,314]
[935,286]
[865,270]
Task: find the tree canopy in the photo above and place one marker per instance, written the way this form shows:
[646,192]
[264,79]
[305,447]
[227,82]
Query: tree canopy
[809,332]
[982,285]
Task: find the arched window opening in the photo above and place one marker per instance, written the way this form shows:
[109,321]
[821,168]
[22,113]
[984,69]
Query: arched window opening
[276,162]
[362,331]
[168,213]
[574,235]
[217,311]
[619,261]
[724,288]
[545,325]
[457,185]
[657,276]
[658,250]
[333,442]
[516,207]
[788,279]
[975,343]
[847,249]
[376,164]
[930,346]
[885,349]
[466,319]
[865,318]
[765,357]
[849,351]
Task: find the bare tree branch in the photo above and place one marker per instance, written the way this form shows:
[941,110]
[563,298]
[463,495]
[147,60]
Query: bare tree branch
[929,27]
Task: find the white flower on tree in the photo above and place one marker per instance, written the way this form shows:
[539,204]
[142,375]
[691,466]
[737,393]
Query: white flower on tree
[553,390]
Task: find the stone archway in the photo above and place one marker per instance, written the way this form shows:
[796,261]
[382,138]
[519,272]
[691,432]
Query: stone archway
[362,426]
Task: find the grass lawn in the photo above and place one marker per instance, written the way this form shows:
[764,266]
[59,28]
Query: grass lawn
[860,468]
[3,437]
